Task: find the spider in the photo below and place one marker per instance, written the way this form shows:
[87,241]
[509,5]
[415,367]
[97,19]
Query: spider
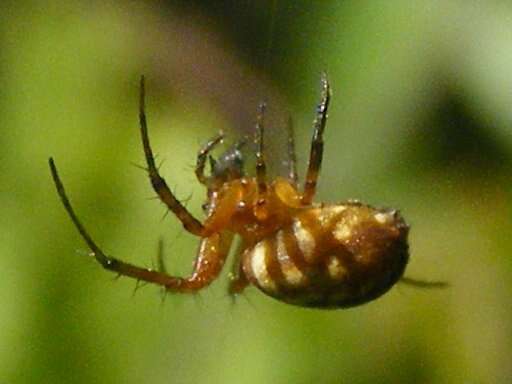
[300,252]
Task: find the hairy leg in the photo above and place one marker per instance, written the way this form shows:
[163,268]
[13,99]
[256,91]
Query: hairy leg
[202,155]
[292,157]
[209,260]
[261,168]
[190,223]
[238,281]
[317,144]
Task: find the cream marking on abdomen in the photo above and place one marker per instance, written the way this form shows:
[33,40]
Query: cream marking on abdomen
[344,228]
[383,218]
[305,240]
[328,214]
[335,269]
[259,266]
[342,231]
[291,273]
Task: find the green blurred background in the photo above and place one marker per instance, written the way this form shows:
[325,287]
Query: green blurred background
[421,120]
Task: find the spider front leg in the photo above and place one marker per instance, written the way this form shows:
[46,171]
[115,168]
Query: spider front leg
[260,209]
[202,155]
[291,160]
[190,223]
[317,144]
[208,264]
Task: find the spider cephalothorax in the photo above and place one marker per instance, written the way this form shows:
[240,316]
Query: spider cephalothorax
[300,252]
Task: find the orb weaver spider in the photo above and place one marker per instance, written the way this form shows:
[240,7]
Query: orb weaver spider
[300,252]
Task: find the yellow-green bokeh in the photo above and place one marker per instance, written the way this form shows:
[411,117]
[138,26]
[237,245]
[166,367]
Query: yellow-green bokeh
[420,120]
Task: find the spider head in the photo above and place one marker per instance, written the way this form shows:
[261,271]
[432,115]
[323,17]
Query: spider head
[229,166]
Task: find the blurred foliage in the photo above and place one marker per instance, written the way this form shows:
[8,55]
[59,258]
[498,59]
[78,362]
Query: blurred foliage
[420,120]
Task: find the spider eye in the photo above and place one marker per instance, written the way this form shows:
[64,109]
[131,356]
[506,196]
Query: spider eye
[229,165]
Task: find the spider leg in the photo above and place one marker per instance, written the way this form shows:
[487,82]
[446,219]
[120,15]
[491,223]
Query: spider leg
[261,168]
[423,283]
[209,260]
[291,160]
[107,262]
[238,280]
[190,223]
[317,144]
[161,267]
[202,155]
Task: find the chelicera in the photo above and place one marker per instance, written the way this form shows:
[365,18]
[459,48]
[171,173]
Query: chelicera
[297,251]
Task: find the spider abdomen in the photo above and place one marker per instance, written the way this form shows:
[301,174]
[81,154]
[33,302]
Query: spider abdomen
[331,256]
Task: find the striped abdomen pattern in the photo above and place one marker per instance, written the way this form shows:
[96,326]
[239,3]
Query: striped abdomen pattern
[331,256]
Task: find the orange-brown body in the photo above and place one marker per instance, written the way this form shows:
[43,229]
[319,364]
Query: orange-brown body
[311,255]
[295,250]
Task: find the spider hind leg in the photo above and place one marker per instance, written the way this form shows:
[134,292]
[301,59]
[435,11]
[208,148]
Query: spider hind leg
[423,283]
